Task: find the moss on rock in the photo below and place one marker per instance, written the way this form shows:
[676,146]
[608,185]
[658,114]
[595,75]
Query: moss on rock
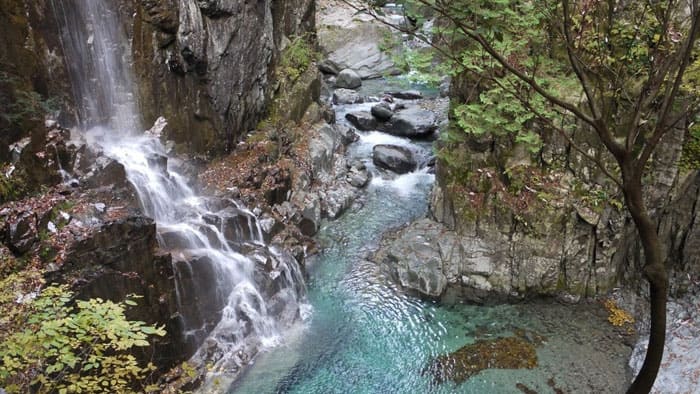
[467,361]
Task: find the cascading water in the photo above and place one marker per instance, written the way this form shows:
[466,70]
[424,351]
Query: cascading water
[234,292]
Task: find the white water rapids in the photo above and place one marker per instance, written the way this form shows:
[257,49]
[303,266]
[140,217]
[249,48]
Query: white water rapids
[235,293]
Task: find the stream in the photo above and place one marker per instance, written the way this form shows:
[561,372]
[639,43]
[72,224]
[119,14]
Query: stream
[365,336]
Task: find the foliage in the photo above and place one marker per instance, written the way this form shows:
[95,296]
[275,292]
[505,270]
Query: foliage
[18,104]
[296,58]
[690,158]
[63,345]
[13,183]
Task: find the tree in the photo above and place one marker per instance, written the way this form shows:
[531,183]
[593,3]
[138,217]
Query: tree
[633,72]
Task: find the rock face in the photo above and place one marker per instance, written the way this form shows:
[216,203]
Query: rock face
[206,66]
[352,41]
[530,233]
[393,158]
[102,266]
[31,70]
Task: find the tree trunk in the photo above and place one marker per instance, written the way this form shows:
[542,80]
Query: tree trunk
[656,275]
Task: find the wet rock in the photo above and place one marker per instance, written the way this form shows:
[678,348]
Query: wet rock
[347,133]
[337,200]
[362,120]
[348,79]
[382,112]
[172,238]
[393,158]
[21,234]
[346,96]
[202,300]
[310,213]
[104,172]
[406,95]
[270,227]
[323,146]
[358,175]
[238,225]
[412,122]
[469,360]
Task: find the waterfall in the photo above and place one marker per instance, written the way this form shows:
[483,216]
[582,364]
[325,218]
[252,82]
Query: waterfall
[235,293]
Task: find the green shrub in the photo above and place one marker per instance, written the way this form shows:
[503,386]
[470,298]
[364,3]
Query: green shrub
[296,58]
[56,344]
[17,104]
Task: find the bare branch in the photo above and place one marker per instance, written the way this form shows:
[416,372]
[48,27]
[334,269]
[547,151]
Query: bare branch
[662,126]
[576,63]
[562,132]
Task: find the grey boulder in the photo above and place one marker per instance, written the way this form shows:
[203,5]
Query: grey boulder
[348,79]
[412,122]
[362,120]
[393,158]
[382,112]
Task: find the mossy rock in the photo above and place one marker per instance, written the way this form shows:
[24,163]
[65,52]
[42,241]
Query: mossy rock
[469,360]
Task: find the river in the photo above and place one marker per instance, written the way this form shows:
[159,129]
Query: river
[365,336]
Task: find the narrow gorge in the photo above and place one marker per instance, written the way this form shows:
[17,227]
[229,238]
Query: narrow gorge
[286,196]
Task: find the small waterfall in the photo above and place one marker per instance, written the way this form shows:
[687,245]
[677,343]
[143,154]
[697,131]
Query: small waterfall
[235,293]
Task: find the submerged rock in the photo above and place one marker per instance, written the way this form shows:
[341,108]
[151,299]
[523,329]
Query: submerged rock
[393,158]
[469,360]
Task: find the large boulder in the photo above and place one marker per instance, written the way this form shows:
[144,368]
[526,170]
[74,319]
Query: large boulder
[362,120]
[353,41]
[382,112]
[348,79]
[393,158]
[412,122]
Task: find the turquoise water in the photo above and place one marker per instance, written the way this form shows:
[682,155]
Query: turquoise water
[364,336]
